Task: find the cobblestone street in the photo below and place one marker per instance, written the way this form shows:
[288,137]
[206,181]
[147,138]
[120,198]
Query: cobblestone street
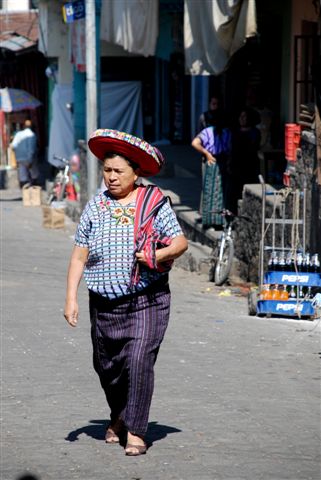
[236,397]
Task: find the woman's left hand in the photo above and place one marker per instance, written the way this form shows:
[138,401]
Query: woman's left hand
[141,258]
[211,160]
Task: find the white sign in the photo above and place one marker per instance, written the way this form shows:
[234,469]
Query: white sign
[286,307]
[295,278]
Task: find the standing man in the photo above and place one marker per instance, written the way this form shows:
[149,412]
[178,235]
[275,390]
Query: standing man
[212,116]
[24,145]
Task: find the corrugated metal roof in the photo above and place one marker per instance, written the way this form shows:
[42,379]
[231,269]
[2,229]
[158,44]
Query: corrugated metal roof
[23,23]
[14,42]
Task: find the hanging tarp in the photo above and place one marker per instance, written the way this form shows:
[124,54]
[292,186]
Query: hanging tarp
[61,137]
[132,24]
[214,32]
[121,109]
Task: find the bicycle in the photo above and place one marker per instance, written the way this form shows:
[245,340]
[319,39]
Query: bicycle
[58,189]
[222,255]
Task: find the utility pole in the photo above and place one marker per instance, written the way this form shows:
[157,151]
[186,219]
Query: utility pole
[91,93]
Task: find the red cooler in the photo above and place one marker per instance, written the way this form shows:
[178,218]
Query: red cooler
[292,140]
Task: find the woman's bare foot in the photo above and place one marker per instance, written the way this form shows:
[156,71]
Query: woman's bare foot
[113,431]
[135,445]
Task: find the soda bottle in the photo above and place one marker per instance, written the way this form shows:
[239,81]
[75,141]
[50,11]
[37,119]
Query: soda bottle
[271,263]
[283,293]
[292,262]
[268,293]
[275,262]
[264,292]
[299,261]
[288,262]
[282,262]
[301,293]
[315,263]
[292,294]
[275,293]
[306,263]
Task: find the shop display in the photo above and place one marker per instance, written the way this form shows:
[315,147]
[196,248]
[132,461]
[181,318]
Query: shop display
[291,284]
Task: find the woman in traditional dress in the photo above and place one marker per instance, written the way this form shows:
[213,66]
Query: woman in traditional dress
[214,143]
[126,241]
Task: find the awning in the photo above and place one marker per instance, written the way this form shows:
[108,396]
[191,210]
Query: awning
[214,32]
[132,24]
[15,42]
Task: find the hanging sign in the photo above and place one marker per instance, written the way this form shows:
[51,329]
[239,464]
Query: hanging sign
[73,11]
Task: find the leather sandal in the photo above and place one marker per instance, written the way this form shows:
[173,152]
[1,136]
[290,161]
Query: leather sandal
[111,437]
[140,450]
[114,432]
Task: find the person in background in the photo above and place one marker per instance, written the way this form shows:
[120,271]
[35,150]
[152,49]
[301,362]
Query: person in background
[214,143]
[126,241]
[245,164]
[75,174]
[24,145]
[212,116]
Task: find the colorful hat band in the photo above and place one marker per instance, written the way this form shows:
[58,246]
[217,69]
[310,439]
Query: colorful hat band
[149,158]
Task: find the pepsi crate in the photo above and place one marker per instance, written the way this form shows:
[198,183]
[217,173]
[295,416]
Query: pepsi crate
[305,279]
[288,308]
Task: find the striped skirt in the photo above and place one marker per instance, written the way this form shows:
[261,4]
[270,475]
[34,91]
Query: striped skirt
[126,336]
[214,191]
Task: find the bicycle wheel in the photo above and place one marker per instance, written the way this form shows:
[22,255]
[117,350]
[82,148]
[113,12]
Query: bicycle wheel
[252,301]
[51,196]
[62,189]
[212,262]
[224,262]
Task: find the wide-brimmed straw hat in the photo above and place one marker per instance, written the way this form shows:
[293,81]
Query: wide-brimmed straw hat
[148,158]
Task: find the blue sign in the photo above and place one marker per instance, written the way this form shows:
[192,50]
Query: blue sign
[288,308]
[293,278]
[73,11]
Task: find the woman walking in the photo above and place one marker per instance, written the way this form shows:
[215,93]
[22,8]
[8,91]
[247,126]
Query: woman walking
[126,241]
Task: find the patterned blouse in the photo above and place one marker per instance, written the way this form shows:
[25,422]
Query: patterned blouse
[106,228]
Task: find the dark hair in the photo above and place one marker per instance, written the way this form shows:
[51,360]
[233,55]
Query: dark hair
[253,116]
[132,164]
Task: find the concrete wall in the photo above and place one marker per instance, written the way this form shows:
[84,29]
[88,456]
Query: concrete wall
[54,38]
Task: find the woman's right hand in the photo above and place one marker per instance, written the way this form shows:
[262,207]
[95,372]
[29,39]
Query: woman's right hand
[71,312]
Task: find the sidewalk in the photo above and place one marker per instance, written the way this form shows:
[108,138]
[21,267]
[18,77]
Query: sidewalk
[236,397]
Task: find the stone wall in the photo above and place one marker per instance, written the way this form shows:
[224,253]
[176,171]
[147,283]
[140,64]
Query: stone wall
[308,169]
[248,230]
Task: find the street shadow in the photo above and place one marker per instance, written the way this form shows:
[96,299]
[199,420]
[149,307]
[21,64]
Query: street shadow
[27,476]
[97,429]
[17,199]
[158,431]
